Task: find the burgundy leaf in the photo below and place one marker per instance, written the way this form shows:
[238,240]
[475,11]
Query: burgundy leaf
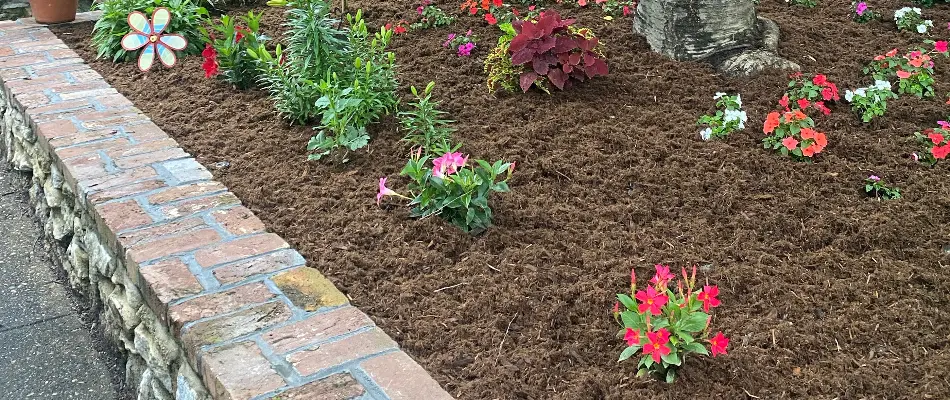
[564,44]
[540,66]
[557,77]
[522,57]
[527,79]
[589,58]
[546,43]
[598,68]
[574,59]
[567,68]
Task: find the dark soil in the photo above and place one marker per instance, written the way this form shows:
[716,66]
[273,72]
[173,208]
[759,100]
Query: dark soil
[826,293]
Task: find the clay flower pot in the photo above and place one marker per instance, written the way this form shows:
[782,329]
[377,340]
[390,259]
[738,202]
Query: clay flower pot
[54,11]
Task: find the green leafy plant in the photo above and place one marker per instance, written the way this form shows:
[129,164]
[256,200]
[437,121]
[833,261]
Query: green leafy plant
[792,134]
[663,327]
[501,72]
[430,16]
[937,143]
[870,102]
[451,189]
[230,40]
[424,125]
[911,19]
[113,24]
[803,3]
[342,113]
[874,186]
[729,117]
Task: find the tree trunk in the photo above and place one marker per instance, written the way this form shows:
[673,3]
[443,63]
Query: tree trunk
[725,33]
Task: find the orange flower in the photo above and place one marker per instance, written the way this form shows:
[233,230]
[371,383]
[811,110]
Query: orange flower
[903,74]
[795,115]
[821,141]
[771,122]
[809,151]
[808,133]
[917,62]
[891,53]
[790,143]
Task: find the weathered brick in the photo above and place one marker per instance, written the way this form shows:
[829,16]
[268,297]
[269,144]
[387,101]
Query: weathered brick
[30,100]
[143,148]
[123,178]
[130,239]
[238,249]
[308,289]
[339,386]
[87,167]
[238,372]
[150,158]
[194,206]
[62,53]
[313,360]
[90,75]
[187,170]
[230,326]
[88,148]
[401,378]
[267,263]
[238,221]
[91,89]
[217,303]
[119,118]
[124,191]
[40,46]
[54,129]
[146,132]
[316,328]
[14,73]
[62,107]
[171,245]
[6,51]
[167,281]
[123,215]
[22,60]
[186,191]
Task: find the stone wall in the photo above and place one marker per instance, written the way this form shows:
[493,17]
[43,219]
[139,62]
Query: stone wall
[194,292]
[14,9]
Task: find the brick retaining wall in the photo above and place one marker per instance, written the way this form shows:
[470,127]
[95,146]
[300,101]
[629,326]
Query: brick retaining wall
[200,299]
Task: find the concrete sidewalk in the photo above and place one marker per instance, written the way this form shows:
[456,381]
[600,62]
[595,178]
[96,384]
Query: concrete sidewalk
[46,350]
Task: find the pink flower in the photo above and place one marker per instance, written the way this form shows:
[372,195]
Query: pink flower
[790,143]
[656,347]
[384,191]
[663,275]
[466,49]
[449,40]
[940,46]
[632,336]
[708,297]
[582,3]
[419,10]
[718,344]
[903,74]
[490,19]
[626,11]
[651,301]
[448,164]
[861,8]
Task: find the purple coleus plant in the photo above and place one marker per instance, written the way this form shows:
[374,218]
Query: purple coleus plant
[551,48]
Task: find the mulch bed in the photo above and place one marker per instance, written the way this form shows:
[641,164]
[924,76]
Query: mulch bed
[826,293]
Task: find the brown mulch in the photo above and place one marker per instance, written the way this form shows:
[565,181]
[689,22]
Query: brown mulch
[826,293]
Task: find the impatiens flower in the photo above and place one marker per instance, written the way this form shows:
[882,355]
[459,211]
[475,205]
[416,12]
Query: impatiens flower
[718,344]
[829,93]
[771,122]
[656,347]
[861,8]
[808,133]
[940,46]
[582,3]
[626,11]
[705,134]
[708,297]
[790,143]
[821,107]
[663,275]
[651,300]
[874,178]
[490,19]
[891,53]
[449,40]
[935,137]
[809,151]
[632,336]
[944,124]
[419,10]
[819,80]
[784,102]
[795,115]
[903,74]
[399,29]
[466,49]
[384,191]
[941,152]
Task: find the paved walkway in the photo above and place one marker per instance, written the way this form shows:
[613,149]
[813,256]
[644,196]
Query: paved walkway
[46,351]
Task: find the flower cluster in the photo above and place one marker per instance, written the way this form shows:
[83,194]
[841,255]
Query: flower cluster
[613,8]
[871,101]
[874,186]
[463,44]
[664,326]
[226,49]
[913,70]
[937,140]
[430,16]
[729,117]
[792,133]
[491,7]
[805,93]
[862,13]
[399,27]
[911,19]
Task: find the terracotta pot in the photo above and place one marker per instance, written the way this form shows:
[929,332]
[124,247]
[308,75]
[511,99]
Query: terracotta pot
[54,11]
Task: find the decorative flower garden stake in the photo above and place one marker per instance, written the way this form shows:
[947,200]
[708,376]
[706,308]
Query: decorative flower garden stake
[148,34]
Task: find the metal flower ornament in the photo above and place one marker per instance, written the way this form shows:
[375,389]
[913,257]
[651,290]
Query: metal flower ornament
[148,34]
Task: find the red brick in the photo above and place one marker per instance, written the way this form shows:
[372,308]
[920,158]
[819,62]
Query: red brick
[238,221]
[401,378]
[122,178]
[14,73]
[59,66]
[84,90]
[63,53]
[43,82]
[80,137]
[238,372]
[191,207]
[54,129]
[6,51]
[41,46]
[146,132]
[124,191]
[186,191]
[87,149]
[22,60]
[62,107]
[238,249]
[123,215]
[89,75]
[256,266]
[316,328]
[30,100]
[150,158]
[217,303]
[230,326]
[142,236]
[118,118]
[171,245]
[340,386]
[87,167]
[142,148]
[327,355]
[166,282]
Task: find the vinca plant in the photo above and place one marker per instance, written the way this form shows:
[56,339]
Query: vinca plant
[875,187]
[728,118]
[870,102]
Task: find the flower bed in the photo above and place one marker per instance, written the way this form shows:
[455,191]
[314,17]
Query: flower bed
[825,291]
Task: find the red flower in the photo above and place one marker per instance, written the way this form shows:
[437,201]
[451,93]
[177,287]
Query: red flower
[820,105]
[790,143]
[651,300]
[210,65]
[821,141]
[820,80]
[940,46]
[941,152]
[708,297]
[935,137]
[903,74]
[497,3]
[399,29]
[891,53]
[239,34]
[803,103]
[657,344]
[490,19]
[784,102]
[771,122]
[632,336]
[209,51]
[662,277]
[809,151]
[827,94]
[626,11]
[719,344]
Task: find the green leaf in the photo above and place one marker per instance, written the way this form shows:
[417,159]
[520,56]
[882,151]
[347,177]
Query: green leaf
[697,347]
[627,302]
[628,352]
[695,322]
[670,375]
[632,320]
[673,358]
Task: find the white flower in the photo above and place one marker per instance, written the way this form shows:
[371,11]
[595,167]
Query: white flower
[861,92]
[848,95]
[739,100]
[719,95]
[885,85]
[916,10]
[921,28]
[705,133]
